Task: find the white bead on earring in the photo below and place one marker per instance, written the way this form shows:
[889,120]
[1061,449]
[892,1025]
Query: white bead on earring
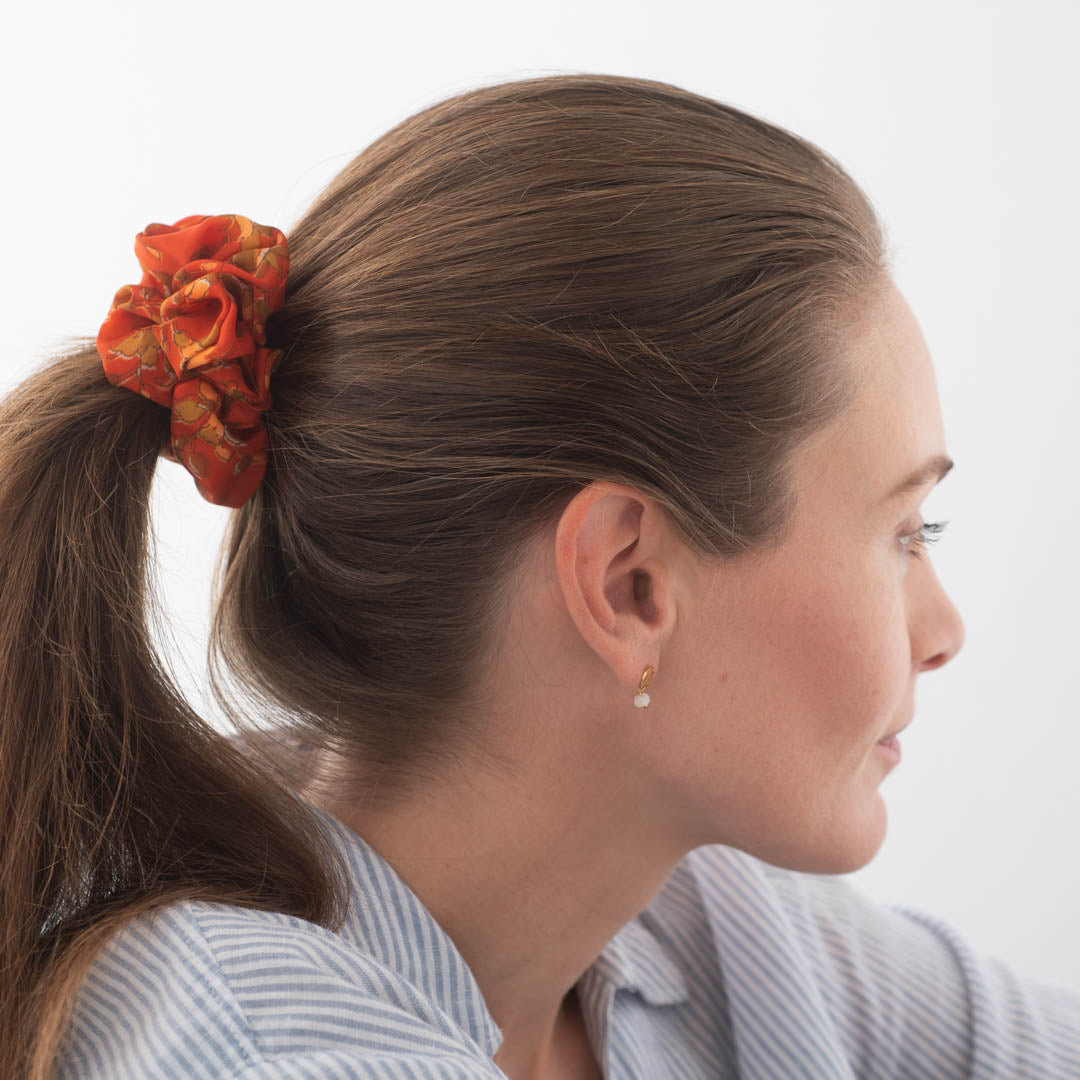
[641,699]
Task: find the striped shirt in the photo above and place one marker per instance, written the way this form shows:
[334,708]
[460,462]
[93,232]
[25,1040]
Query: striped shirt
[735,969]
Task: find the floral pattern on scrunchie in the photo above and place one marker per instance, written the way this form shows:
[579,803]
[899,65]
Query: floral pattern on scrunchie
[192,337]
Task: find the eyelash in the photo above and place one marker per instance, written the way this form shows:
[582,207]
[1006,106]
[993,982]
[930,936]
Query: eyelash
[929,533]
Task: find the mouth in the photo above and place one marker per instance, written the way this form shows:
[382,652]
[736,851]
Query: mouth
[892,734]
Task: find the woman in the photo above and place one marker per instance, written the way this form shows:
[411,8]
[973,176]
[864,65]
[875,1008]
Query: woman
[579,560]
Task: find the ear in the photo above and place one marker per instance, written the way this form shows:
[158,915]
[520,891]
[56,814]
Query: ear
[614,561]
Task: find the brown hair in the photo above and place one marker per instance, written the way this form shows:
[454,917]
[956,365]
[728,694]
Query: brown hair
[512,293]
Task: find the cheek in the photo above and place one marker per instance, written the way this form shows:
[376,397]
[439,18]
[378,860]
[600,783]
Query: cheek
[795,677]
[847,646]
[826,662]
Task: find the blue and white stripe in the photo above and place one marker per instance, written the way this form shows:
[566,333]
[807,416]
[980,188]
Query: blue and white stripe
[736,969]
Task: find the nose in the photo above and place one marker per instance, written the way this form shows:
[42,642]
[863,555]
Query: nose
[937,629]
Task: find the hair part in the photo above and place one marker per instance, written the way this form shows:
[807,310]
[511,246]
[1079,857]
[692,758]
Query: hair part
[512,293]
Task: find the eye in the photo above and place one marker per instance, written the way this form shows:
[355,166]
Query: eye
[929,533]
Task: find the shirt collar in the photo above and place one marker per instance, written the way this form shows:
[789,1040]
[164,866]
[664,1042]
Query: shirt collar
[388,920]
[637,961]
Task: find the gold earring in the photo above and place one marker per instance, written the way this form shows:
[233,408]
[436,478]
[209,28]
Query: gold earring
[641,699]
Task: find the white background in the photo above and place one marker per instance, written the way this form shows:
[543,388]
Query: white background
[959,120]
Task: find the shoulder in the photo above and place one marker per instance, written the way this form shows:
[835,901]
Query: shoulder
[896,991]
[203,989]
[825,916]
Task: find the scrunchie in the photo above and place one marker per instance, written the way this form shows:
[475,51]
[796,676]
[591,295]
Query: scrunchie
[192,335]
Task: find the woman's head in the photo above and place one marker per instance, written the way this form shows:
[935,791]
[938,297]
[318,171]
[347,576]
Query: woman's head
[513,298]
[513,294]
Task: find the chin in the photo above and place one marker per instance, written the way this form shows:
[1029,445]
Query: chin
[857,847]
[843,849]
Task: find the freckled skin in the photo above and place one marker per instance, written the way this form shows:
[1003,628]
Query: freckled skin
[777,673]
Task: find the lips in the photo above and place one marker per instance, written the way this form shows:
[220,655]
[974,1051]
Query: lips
[892,733]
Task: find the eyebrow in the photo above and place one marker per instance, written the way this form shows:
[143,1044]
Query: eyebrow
[935,468]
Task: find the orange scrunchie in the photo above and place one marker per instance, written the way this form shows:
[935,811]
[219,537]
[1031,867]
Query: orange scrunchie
[192,335]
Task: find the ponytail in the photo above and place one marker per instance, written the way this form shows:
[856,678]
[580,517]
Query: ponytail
[116,797]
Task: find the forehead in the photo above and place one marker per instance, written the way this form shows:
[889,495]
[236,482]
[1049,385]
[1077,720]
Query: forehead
[894,423]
